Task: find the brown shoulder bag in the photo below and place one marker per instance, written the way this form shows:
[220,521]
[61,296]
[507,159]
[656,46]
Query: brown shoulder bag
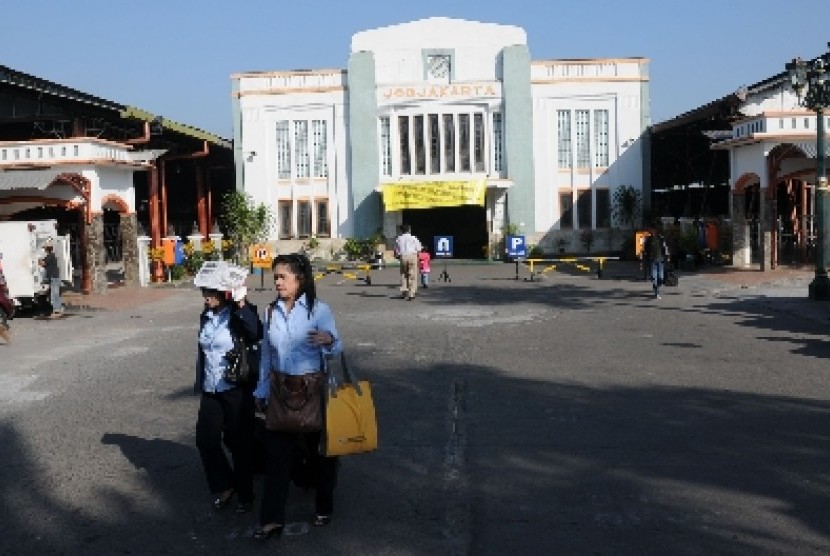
[295,403]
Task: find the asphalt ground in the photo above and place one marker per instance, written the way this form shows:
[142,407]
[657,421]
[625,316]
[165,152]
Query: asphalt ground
[567,415]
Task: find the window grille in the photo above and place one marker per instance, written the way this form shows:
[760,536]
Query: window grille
[301,156]
[564,132]
[601,138]
[283,150]
[583,136]
[498,150]
[318,128]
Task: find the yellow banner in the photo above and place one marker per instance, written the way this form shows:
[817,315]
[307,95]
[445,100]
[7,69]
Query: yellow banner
[431,194]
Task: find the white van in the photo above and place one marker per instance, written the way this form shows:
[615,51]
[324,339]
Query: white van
[21,249]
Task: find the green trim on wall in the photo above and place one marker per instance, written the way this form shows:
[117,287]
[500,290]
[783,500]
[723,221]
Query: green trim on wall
[184,129]
[518,134]
[364,158]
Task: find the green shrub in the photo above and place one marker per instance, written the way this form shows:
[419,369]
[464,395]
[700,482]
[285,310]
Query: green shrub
[177,272]
[357,249]
[194,262]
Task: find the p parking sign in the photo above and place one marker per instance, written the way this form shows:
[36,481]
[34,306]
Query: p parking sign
[261,255]
[516,247]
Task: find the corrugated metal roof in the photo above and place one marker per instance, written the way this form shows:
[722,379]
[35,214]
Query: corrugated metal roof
[28,179]
[26,81]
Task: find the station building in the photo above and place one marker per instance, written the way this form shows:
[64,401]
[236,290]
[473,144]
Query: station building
[450,126]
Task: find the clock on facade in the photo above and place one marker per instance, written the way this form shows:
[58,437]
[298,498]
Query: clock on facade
[439,66]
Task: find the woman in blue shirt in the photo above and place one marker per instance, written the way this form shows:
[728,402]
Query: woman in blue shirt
[226,411]
[298,329]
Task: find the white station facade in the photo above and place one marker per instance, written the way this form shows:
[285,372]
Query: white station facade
[447,125]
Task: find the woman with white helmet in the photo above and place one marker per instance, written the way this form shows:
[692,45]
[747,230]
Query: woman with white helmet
[226,409]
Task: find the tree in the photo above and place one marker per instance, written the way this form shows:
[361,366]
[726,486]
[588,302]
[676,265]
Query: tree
[246,223]
[626,207]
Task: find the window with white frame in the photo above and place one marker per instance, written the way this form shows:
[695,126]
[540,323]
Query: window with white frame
[566,210]
[303,218]
[564,142]
[478,142]
[322,217]
[318,130]
[403,139]
[385,147]
[430,144]
[601,138]
[583,138]
[420,147]
[301,157]
[449,143]
[434,145]
[284,219]
[283,150]
[584,201]
[603,209]
[498,150]
[463,142]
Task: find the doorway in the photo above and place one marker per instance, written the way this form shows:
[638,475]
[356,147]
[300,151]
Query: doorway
[467,224]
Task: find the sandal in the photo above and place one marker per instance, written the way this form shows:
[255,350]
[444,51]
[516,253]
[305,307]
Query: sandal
[223,499]
[267,531]
[321,520]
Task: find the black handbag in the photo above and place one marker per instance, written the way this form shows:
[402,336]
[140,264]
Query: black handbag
[237,370]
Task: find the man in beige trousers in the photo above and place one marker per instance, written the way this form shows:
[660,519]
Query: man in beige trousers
[407,248]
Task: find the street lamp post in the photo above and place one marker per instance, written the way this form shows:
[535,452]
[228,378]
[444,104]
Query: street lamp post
[811,82]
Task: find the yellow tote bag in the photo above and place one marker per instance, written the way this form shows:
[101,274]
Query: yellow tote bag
[351,427]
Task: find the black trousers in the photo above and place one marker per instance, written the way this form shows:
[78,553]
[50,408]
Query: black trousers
[280,457]
[227,417]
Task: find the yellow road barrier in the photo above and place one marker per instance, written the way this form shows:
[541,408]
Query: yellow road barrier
[349,271]
[577,263]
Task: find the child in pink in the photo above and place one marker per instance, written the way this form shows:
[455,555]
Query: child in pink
[423,266]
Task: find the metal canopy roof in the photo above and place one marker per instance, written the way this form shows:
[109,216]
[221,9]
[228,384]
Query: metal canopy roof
[45,88]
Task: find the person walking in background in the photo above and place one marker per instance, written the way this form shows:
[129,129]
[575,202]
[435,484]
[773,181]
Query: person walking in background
[657,252]
[407,248]
[424,266]
[226,411]
[6,306]
[53,278]
[299,331]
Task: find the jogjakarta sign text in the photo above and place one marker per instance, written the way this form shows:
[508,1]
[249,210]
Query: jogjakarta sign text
[440,91]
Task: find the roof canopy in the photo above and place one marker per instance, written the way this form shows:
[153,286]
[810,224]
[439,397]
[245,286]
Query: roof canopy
[35,108]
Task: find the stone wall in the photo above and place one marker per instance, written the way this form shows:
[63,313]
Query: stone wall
[129,249]
[741,255]
[96,255]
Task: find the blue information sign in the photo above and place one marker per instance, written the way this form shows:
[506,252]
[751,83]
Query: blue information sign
[442,247]
[516,247]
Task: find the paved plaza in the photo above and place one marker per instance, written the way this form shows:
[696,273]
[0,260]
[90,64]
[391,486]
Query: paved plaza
[568,415]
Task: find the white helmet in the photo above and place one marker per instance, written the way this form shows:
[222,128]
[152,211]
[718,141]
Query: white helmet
[220,275]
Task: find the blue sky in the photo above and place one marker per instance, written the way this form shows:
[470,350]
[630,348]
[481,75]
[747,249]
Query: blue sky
[175,57]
